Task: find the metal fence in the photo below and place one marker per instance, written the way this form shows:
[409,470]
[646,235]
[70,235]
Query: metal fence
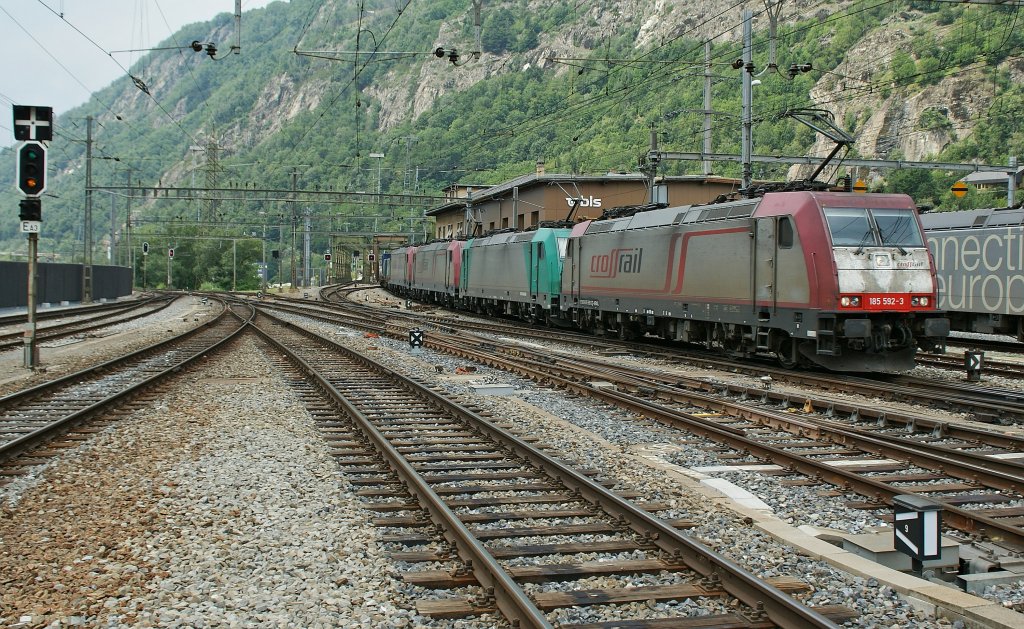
[61,282]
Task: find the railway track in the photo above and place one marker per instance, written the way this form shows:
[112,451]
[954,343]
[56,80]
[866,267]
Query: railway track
[956,477]
[986,404]
[492,498]
[60,408]
[73,311]
[976,474]
[987,344]
[952,362]
[92,320]
[655,348]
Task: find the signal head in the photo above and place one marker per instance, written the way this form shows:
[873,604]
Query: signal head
[32,169]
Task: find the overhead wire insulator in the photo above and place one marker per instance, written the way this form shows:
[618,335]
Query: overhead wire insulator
[798,68]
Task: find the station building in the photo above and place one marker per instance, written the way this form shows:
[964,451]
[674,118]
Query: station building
[528,200]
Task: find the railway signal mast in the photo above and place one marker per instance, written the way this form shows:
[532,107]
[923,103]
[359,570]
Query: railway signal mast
[33,126]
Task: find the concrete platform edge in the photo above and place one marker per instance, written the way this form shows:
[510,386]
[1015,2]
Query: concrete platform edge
[936,600]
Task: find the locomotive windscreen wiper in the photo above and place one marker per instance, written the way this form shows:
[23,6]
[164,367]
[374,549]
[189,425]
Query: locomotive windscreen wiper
[896,228]
[869,236]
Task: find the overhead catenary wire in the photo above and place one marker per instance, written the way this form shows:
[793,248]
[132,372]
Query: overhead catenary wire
[135,79]
[352,81]
[645,80]
[53,57]
[195,81]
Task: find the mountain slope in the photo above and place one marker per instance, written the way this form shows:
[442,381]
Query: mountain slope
[578,85]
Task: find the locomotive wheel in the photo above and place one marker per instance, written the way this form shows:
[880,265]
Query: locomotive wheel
[786,354]
[731,344]
[629,332]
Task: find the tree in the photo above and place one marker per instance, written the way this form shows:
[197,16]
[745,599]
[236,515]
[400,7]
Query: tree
[497,32]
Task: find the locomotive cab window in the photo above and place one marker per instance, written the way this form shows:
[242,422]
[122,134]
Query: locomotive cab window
[849,226]
[785,233]
[898,228]
[861,227]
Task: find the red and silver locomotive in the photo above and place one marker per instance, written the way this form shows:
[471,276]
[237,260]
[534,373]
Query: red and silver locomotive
[840,280]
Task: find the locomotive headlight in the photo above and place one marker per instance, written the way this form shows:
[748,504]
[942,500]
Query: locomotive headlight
[919,301]
[849,302]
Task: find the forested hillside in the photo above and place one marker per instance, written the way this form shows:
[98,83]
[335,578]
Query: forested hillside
[320,85]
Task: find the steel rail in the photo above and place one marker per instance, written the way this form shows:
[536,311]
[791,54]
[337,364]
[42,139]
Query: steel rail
[956,363]
[879,492]
[55,332]
[511,599]
[827,406]
[636,381]
[76,311]
[969,399]
[545,372]
[642,380]
[111,364]
[778,606]
[1007,475]
[14,447]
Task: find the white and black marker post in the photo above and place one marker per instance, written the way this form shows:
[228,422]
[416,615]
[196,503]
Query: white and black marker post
[917,529]
[416,340]
[973,361]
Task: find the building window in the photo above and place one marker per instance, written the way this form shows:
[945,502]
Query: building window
[534,218]
[504,223]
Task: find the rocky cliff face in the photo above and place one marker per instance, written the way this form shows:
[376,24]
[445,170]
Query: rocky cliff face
[912,123]
[888,121]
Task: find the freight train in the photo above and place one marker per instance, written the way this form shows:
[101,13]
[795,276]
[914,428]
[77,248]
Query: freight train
[979,260]
[838,280]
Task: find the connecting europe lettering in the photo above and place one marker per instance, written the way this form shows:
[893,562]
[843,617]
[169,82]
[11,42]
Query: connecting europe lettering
[980,270]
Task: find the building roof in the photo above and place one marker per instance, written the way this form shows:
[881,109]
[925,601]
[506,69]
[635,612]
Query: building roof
[532,179]
[992,177]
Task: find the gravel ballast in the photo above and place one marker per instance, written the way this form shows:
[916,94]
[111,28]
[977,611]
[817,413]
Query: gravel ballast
[220,506]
